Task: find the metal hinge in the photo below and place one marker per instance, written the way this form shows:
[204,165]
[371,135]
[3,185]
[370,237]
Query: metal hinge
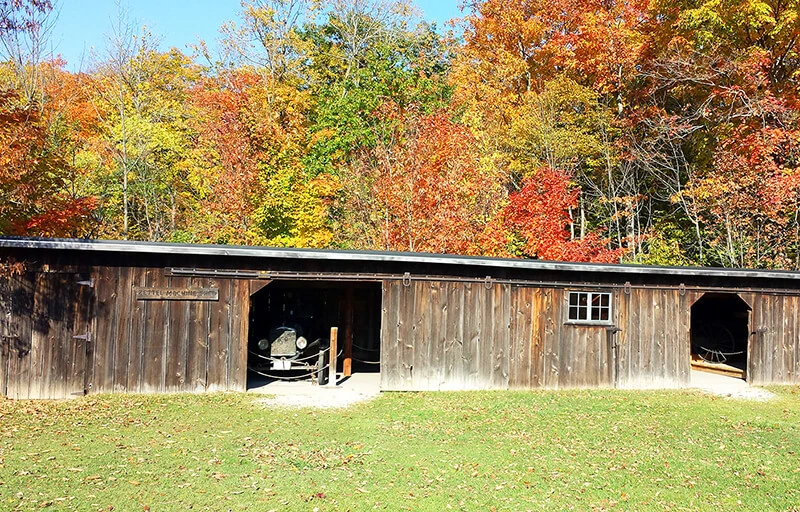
[89,283]
[85,337]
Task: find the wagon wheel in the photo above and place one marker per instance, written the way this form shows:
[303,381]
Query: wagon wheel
[715,342]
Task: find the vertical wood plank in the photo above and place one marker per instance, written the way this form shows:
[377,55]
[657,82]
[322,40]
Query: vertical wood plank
[197,341]
[20,332]
[105,326]
[502,331]
[155,342]
[390,348]
[538,305]
[219,336]
[438,335]
[40,347]
[237,355]
[564,345]
[139,331]
[486,353]
[789,333]
[755,341]
[670,337]
[454,362]
[660,326]
[684,341]
[81,355]
[405,335]
[421,331]
[776,321]
[622,340]
[5,332]
[794,343]
[552,331]
[125,313]
[472,335]
[521,337]
[177,338]
[637,339]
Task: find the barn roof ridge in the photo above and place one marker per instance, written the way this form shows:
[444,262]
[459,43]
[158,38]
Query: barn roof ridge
[130,246]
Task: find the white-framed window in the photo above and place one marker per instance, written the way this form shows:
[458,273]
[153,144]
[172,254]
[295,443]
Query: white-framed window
[589,307]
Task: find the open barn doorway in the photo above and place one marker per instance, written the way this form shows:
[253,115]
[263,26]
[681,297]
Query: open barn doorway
[290,326]
[720,332]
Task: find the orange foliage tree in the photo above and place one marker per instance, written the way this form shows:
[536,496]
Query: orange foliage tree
[423,190]
[34,197]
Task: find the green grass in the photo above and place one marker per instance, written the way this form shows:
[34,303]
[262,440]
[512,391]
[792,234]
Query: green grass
[570,450]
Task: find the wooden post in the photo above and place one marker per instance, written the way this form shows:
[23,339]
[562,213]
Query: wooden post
[332,359]
[347,355]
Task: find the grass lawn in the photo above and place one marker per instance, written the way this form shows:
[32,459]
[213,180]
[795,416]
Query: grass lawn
[567,450]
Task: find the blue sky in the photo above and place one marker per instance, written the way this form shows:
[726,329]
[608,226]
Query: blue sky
[82,24]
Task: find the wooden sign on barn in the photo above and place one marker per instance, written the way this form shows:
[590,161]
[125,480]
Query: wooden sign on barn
[105,316]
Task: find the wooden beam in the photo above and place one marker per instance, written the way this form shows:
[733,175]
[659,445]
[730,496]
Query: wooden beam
[347,355]
[332,364]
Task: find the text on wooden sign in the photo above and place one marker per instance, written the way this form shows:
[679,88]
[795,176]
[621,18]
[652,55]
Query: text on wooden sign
[176,293]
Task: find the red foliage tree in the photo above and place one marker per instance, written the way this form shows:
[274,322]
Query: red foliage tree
[538,215]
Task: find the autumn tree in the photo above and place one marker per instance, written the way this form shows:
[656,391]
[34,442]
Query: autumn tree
[25,26]
[141,101]
[537,218]
[425,191]
[34,195]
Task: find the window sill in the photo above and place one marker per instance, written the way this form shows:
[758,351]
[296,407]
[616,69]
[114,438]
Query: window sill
[589,323]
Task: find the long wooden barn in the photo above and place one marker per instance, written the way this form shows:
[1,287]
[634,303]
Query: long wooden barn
[107,317]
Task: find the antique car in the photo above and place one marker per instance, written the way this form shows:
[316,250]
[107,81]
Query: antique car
[287,339]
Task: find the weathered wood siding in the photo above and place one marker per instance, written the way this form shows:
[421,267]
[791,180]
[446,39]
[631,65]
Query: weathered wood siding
[168,345]
[59,338]
[547,351]
[774,346]
[44,333]
[440,335]
[653,346]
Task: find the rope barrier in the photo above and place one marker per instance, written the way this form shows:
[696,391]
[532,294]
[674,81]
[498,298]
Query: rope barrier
[366,362]
[283,377]
[293,377]
[297,360]
[365,349]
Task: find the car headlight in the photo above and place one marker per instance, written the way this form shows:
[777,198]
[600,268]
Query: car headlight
[263,344]
[301,343]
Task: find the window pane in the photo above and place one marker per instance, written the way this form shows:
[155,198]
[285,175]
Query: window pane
[589,306]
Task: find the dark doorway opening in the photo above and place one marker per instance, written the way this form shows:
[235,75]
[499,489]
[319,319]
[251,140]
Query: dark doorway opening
[290,325]
[720,332]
